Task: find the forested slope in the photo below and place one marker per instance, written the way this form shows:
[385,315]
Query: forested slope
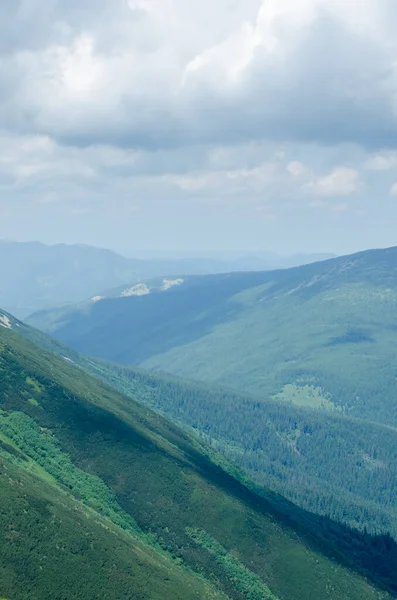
[70,443]
[330,464]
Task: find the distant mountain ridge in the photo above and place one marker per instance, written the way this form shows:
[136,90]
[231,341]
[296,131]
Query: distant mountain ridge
[319,335]
[34,276]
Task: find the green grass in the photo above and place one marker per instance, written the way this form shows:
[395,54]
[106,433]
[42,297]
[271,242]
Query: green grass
[41,446]
[108,458]
[52,547]
[338,340]
[305,395]
[246,581]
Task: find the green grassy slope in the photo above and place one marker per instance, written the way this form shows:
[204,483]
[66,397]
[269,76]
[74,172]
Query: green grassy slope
[79,459]
[295,451]
[321,335]
[54,547]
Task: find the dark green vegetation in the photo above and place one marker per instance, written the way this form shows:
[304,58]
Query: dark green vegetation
[321,335]
[296,451]
[329,464]
[246,581]
[54,547]
[102,498]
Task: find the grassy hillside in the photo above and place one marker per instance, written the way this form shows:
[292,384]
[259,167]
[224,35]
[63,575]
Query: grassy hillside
[321,335]
[100,495]
[295,450]
[54,547]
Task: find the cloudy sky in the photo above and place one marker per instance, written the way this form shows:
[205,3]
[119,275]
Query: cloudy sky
[199,124]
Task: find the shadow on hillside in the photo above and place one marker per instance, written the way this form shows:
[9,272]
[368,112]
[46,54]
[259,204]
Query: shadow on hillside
[375,557]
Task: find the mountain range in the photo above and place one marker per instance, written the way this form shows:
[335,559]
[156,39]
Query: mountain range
[287,375]
[34,276]
[320,335]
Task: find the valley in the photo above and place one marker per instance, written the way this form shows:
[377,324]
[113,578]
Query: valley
[282,440]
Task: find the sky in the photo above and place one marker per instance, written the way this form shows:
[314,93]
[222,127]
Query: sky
[153,125]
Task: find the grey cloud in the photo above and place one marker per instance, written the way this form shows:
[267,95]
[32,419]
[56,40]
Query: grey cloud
[329,82]
[190,123]
[335,87]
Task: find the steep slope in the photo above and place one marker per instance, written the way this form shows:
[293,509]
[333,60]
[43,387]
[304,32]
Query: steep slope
[74,452]
[295,450]
[321,335]
[54,547]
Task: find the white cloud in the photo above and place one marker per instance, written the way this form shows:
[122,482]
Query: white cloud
[296,168]
[254,180]
[382,162]
[342,181]
[393,189]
